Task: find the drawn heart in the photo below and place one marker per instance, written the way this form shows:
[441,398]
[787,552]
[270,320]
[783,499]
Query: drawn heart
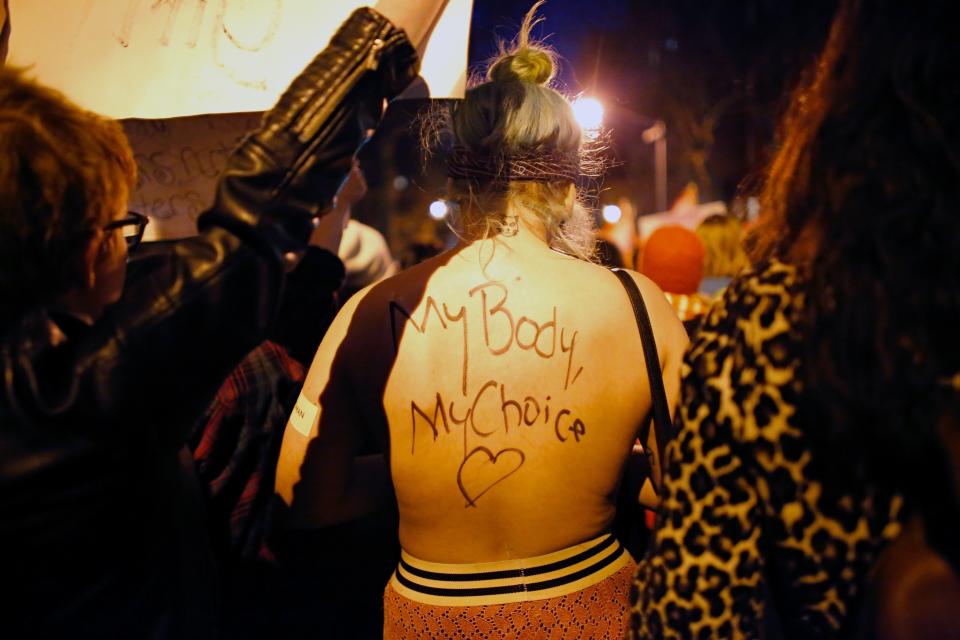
[481,470]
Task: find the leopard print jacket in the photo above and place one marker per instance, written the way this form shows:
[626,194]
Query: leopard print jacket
[746,542]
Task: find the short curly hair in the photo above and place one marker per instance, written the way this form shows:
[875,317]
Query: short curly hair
[64,171]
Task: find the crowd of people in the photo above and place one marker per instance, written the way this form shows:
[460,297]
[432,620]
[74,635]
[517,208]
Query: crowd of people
[271,430]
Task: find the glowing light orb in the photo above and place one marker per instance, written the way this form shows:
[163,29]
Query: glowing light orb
[612,213]
[588,112]
[438,209]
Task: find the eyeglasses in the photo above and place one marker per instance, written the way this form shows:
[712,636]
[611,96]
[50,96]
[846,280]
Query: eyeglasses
[132,227]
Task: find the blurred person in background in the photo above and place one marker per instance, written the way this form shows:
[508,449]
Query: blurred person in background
[673,257]
[722,238]
[820,396]
[366,257]
[364,251]
[501,378]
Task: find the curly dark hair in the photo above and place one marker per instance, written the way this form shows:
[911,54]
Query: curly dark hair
[862,195]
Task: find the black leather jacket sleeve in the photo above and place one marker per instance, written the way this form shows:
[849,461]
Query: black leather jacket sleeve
[189,313]
[290,168]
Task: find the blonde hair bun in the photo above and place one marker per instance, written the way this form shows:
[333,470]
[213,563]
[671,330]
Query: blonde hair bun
[526,60]
[528,64]
[513,117]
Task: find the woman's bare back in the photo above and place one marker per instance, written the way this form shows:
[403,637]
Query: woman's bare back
[508,387]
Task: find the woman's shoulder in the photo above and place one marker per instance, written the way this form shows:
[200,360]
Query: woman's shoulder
[749,342]
[666,322]
[757,304]
[773,281]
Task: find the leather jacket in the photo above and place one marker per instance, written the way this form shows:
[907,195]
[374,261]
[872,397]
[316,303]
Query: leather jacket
[101,527]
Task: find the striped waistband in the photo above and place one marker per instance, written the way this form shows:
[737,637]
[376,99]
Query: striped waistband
[548,576]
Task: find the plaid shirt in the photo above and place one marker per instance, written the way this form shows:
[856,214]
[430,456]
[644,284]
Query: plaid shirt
[236,442]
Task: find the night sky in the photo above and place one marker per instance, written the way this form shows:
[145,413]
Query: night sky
[566,28]
[716,71]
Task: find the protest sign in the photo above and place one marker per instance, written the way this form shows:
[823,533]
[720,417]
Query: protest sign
[191,76]
[178,161]
[170,58]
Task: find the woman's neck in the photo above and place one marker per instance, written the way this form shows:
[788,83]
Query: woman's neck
[522,228]
[521,234]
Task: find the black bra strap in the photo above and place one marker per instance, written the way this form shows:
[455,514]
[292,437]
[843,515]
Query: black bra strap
[661,410]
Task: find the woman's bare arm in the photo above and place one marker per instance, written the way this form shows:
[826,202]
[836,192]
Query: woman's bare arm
[319,477]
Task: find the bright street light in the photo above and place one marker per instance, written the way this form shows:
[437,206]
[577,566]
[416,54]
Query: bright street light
[612,213]
[438,209]
[588,112]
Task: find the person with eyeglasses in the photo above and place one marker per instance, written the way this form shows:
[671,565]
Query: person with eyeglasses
[131,228]
[104,369]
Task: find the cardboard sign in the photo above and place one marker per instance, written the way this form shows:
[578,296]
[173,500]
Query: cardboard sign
[171,58]
[178,161]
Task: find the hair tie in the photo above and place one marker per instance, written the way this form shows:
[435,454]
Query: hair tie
[530,166]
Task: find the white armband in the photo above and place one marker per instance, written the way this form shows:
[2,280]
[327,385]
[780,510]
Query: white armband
[304,414]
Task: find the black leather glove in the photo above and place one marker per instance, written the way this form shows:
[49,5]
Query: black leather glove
[287,172]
